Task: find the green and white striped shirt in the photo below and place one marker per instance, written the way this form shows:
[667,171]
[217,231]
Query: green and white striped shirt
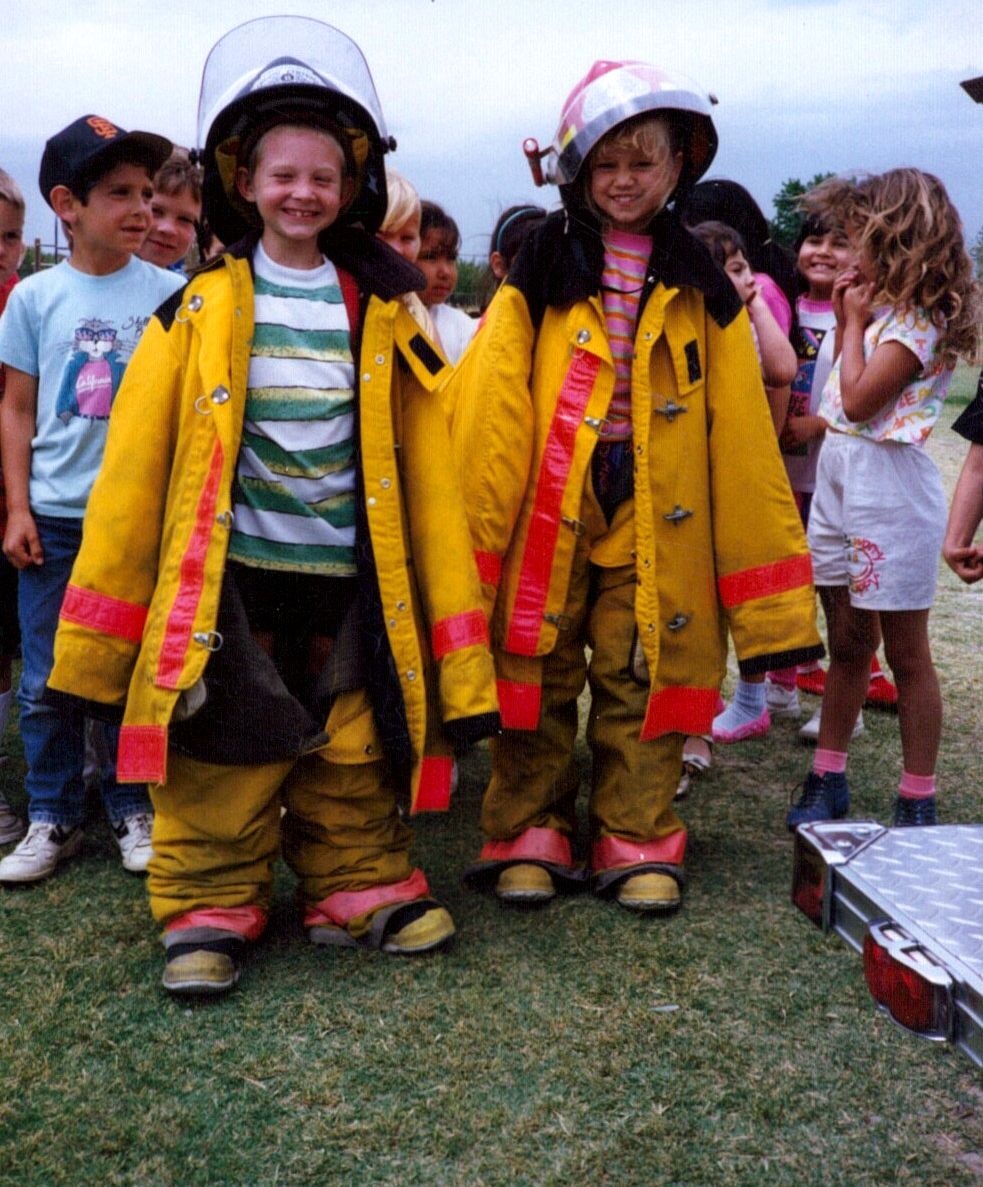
[295,478]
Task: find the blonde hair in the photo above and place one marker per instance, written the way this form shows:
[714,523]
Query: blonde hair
[650,134]
[905,224]
[403,202]
[10,192]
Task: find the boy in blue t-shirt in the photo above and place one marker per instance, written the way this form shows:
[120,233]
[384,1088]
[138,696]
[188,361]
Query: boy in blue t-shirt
[65,338]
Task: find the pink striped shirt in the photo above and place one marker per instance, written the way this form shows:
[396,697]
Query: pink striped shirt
[625,261]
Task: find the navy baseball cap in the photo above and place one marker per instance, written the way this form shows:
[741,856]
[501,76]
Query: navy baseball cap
[75,150]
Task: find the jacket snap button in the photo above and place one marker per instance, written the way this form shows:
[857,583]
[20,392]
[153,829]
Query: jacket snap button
[583,337]
[370,501]
[380,359]
[400,606]
[385,483]
[411,675]
[196,303]
[366,377]
[220,395]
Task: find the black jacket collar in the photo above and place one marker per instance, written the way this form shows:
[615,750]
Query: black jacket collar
[562,262]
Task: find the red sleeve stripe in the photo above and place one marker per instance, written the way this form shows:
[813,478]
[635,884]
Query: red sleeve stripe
[102,613]
[458,631]
[750,584]
[489,566]
[678,710]
[519,704]
[537,558]
[142,754]
[433,793]
[180,620]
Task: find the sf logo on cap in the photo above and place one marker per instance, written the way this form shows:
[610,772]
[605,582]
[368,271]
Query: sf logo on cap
[102,127]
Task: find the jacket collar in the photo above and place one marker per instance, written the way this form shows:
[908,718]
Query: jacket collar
[376,267]
[562,262]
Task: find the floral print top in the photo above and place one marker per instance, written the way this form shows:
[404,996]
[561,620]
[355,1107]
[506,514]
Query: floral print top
[911,417]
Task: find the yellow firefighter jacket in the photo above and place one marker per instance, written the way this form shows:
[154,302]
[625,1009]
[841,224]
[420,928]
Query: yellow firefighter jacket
[715,538]
[139,619]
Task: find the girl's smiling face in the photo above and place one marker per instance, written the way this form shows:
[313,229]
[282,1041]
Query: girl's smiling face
[630,183]
[821,259]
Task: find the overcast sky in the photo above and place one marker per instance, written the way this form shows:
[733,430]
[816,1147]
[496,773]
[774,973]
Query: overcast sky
[804,86]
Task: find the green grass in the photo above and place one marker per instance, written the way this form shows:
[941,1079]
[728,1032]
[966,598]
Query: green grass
[732,1044]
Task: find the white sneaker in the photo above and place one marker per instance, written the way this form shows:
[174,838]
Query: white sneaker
[40,853]
[782,702]
[133,837]
[810,731]
[12,828]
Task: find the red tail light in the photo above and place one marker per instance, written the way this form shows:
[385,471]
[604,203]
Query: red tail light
[809,875]
[907,981]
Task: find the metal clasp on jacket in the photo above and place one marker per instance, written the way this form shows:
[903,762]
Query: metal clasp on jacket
[562,622]
[221,395]
[193,305]
[210,640]
[597,423]
[677,622]
[670,409]
[575,525]
[678,514]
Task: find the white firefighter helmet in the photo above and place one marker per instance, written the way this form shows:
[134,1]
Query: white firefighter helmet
[276,67]
[613,92]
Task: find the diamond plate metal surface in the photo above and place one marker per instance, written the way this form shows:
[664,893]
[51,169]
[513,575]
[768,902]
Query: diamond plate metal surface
[932,878]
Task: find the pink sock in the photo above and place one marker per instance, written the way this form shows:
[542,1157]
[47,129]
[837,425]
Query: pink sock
[832,762]
[916,787]
[784,678]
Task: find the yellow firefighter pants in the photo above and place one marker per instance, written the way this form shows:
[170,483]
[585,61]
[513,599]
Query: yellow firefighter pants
[218,829]
[534,775]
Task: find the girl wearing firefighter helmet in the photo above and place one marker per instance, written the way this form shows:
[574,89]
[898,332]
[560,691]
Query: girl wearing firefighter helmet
[246,590]
[608,422]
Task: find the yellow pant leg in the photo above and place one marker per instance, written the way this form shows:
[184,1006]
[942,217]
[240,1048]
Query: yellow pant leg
[342,830]
[535,779]
[633,782]
[216,835]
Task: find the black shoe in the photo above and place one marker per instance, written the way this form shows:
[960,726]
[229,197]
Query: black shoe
[909,813]
[824,797]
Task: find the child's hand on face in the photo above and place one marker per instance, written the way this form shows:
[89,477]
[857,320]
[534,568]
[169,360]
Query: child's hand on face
[840,285]
[856,301]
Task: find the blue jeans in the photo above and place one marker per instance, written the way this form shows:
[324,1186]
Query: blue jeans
[54,742]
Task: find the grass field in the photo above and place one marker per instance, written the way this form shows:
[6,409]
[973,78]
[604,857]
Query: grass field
[732,1044]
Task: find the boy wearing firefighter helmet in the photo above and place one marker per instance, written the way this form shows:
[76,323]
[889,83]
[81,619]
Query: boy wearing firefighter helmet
[625,494]
[275,589]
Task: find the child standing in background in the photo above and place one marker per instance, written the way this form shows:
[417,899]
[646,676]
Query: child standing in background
[747,715]
[66,336]
[905,314]
[614,443]
[11,253]
[401,230]
[176,212]
[437,259]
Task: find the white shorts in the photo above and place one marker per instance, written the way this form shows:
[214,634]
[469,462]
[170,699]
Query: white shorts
[877,522]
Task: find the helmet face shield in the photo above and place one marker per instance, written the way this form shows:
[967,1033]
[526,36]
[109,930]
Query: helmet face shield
[277,70]
[613,92]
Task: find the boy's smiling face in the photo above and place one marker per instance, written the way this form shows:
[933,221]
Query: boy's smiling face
[299,186]
[172,231]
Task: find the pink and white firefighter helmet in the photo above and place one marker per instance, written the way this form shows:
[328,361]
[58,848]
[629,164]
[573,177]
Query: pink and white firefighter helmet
[613,92]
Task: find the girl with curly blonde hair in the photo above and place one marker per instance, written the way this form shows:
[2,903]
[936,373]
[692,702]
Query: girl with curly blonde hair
[906,312]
